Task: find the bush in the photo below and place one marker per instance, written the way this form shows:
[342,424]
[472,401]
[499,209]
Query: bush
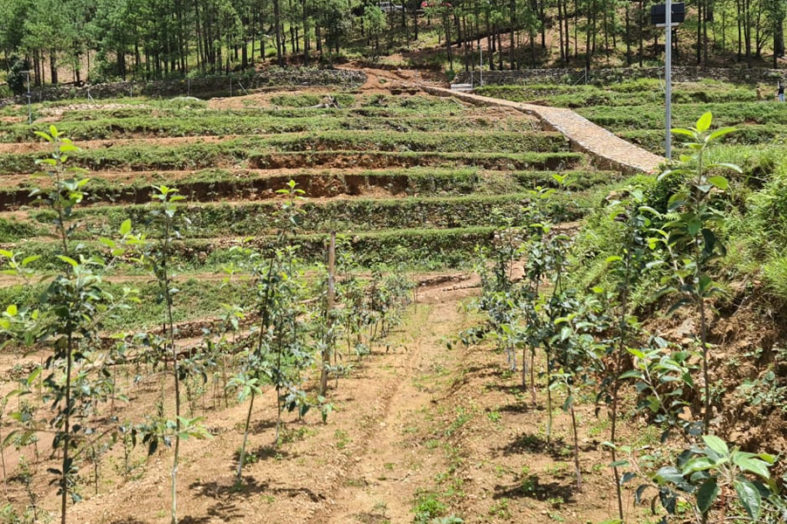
[17,79]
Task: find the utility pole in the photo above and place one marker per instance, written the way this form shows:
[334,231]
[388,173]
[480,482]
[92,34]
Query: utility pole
[661,14]
[668,77]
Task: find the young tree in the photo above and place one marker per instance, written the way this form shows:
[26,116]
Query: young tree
[694,220]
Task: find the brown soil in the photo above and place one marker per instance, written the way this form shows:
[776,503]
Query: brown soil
[745,339]
[413,418]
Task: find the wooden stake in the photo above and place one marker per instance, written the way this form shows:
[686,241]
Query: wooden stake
[326,352]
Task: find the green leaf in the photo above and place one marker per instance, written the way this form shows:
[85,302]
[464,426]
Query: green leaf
[716,444]
[125,227]
[43,135]
[636,352]
[733,167]
[697,464]
[68,260]
[767,457]
[668,474]
[12,310]
[703,124]
[720,182]
[747,462]
[684,132]
[720,133]
[706,494]
[750,497]
[30,260]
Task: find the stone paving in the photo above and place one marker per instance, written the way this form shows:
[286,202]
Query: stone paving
[607,150]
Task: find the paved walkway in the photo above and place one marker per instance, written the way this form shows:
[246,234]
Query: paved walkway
[607,150]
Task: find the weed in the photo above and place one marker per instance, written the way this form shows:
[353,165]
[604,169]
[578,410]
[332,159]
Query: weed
[342,438]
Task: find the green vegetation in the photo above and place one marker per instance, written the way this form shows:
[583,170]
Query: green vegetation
[634,110]
[660,243]
[262,280]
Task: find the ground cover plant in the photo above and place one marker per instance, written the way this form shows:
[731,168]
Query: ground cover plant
[365,342]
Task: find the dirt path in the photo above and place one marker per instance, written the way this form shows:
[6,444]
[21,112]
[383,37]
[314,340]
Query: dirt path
[387,472]
[609,150]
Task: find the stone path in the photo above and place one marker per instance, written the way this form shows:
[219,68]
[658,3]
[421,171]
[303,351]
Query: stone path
[607,150]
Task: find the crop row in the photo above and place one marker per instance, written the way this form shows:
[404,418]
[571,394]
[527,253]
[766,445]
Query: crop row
[373,105]
[653,139]
[212,185]
[651,116]
[232,154]
[581,96]
[357,214]
[198,125]
[418,248]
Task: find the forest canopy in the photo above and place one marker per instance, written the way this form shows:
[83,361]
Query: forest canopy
[150,39]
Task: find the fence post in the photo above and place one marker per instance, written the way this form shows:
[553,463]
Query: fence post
[326,352]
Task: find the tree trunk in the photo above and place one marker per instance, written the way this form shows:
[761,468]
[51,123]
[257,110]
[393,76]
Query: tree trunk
[560,10]
[628,37]
[53,66]
[277,24]
[641,31]
[778,40]
[512,7]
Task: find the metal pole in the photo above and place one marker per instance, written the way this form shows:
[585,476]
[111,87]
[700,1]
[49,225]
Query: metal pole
[668,78]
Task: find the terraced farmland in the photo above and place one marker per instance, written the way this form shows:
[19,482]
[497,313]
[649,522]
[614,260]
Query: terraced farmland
[456,358]
[413,185]
[379,170]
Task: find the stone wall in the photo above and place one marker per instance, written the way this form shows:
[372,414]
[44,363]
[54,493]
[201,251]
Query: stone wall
[201,87]
[610,75]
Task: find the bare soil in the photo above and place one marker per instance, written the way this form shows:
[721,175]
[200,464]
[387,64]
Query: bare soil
[414,418]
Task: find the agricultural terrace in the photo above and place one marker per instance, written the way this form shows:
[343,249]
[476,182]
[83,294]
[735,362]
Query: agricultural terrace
[484,343]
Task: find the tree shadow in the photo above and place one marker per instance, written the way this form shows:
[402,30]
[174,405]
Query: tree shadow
[531,487]
[229,488]
[532,443]
[256,455]
[261,425]
[482,371]
[128,520]
[509,389]
[371,517]
[516,407]
[225,492]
